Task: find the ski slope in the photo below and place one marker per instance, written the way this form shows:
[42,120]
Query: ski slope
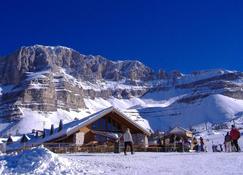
[212,109]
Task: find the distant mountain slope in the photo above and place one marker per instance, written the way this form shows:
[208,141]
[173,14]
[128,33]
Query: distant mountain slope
[213,109]
[58,82]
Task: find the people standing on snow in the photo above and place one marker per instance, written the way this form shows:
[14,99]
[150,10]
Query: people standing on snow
[221,147]
[194,144]
[128,141]
[214,147]
[172,141]
[227,142]
[201,144]
[235,135]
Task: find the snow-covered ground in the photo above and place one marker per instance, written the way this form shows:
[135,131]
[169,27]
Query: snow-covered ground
[161,163]
[40,161]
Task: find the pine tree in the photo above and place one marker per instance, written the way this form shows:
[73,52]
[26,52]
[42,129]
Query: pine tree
[52,129]
[60,126]
[10,139]
[44,133]
[24,138]
[36,134]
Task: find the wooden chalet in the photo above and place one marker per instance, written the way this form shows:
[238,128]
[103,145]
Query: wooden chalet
[105,127]
[102,128]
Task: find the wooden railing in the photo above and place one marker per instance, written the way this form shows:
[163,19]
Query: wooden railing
[71,148]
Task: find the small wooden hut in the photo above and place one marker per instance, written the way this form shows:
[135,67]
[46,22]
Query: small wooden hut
[177,139]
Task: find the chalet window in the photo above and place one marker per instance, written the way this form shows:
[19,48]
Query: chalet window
[101,139]
[109,124]
[103,124]
[106,124]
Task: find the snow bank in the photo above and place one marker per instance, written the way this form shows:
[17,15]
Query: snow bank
[35,161]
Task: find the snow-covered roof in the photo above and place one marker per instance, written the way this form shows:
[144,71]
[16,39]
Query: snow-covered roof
[74,126]
[179,129]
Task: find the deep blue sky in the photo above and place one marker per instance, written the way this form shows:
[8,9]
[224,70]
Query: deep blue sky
[184,35]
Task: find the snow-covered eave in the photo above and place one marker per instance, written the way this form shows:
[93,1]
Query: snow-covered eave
[131,121]
[98,115]
[102,114]
[180,128]
[73,129]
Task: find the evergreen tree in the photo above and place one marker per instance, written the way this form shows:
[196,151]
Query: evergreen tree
[60,126]
[10,140]
[36,134]
[24,138]
[52,129]
[44,133]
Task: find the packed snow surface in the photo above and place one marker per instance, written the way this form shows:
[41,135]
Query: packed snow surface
[162,163]
[41,161]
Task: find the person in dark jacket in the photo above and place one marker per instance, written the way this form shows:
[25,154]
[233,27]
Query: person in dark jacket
[227,142]
[201,144]
[194,144]
[235,135]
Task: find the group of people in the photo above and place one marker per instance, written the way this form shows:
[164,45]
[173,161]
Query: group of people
[198,146]
[231,140]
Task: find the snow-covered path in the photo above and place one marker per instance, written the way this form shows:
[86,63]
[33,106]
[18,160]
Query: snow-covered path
[159,163]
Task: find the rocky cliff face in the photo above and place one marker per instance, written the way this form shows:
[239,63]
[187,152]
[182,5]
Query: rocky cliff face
[46,78]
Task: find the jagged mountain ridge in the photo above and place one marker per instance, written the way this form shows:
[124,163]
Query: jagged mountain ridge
[58,69]
[46,78]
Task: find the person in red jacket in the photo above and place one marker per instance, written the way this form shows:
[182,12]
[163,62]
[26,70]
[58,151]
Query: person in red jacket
[235,135]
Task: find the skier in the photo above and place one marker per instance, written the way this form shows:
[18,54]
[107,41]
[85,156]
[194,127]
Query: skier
[201,144]
[128,141]
[235,135]
[227,142]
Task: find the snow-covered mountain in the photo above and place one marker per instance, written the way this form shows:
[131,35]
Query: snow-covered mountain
[40,85]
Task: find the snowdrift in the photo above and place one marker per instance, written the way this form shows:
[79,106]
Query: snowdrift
[35,161]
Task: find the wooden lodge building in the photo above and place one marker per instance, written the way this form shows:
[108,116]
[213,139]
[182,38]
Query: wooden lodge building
[177,139]
[102,128]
